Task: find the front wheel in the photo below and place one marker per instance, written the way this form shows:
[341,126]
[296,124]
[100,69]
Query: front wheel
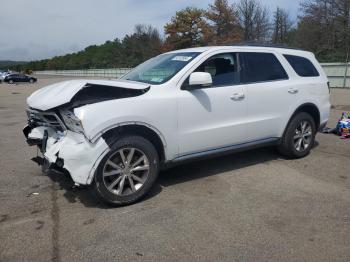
[299,136]
[11,82]
[31,80]
[127,172]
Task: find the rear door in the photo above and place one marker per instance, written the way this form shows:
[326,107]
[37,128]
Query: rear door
[269,93]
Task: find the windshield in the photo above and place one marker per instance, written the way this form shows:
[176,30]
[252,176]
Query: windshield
[160,69]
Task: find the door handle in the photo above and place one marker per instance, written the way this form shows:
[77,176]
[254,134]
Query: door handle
[237,96]
[293,91]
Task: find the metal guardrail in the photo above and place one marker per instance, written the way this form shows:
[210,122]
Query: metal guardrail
[338,73]
[108,73]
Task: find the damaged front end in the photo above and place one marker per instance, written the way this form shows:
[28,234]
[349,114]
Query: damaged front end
[63,149]
[59,133]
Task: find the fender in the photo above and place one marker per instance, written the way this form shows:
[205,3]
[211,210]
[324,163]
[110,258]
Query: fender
[130,123]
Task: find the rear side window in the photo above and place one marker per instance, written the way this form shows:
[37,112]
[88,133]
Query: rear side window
[302,66]
[261,67]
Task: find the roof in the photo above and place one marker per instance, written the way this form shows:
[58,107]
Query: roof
[280,49]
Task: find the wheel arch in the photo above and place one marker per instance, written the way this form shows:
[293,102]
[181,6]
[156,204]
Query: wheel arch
[309,108]
[142,129]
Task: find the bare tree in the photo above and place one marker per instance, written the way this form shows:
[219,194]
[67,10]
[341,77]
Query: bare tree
[254,19]
[143,44]
[262,24]
[343,23]
[282,26]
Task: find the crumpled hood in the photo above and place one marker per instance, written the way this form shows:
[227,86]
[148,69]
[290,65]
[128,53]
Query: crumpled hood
[61,93]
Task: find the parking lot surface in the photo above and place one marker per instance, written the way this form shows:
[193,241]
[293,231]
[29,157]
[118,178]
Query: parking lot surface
[251,206]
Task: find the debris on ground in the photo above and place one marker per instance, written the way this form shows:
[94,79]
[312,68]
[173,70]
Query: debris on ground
[33,194]
[342,129]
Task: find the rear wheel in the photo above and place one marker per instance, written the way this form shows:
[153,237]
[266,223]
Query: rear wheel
[299,136]
[11,81]
[127,172]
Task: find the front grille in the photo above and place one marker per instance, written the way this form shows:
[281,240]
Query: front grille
[50,119]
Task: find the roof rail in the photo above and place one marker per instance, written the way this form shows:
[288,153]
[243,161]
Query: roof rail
[261,45]
[267,45]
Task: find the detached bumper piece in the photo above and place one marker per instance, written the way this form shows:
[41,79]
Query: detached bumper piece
[66,152]
[31,141]
[47,166]
[36,141]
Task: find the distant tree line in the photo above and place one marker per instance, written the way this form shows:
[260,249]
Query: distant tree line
[322,27]
[6,64]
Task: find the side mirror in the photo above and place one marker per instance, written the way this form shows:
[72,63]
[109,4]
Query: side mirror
[198,80]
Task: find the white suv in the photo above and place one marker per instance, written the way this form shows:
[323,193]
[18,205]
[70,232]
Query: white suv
[186,104]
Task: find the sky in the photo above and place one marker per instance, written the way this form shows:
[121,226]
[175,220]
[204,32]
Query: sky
[38,29]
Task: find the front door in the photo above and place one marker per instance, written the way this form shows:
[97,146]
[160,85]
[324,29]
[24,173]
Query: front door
[213,118]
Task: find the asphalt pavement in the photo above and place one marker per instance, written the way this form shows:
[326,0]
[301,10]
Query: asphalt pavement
[251,206]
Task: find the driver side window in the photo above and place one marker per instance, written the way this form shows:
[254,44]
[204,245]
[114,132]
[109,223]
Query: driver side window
[224,69]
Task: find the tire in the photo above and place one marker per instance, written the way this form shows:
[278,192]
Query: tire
[112,168]
[299,136]
[31,81]
[11,81]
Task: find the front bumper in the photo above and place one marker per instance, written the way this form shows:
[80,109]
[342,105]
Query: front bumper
[68,150]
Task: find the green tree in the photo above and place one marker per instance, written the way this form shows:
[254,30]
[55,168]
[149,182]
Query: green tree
[323,28]
[133,49]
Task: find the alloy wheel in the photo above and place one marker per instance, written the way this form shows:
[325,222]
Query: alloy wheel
[303,136]
[126,171]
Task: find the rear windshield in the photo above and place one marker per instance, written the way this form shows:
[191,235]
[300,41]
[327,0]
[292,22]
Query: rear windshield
[302,66]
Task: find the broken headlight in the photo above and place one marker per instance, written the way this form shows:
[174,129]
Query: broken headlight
[72,122]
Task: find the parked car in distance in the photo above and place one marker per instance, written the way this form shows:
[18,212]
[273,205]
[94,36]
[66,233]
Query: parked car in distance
[3,74]
[116,135]
[16,78]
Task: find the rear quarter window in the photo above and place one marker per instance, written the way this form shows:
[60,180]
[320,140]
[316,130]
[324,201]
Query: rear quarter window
[302,66]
